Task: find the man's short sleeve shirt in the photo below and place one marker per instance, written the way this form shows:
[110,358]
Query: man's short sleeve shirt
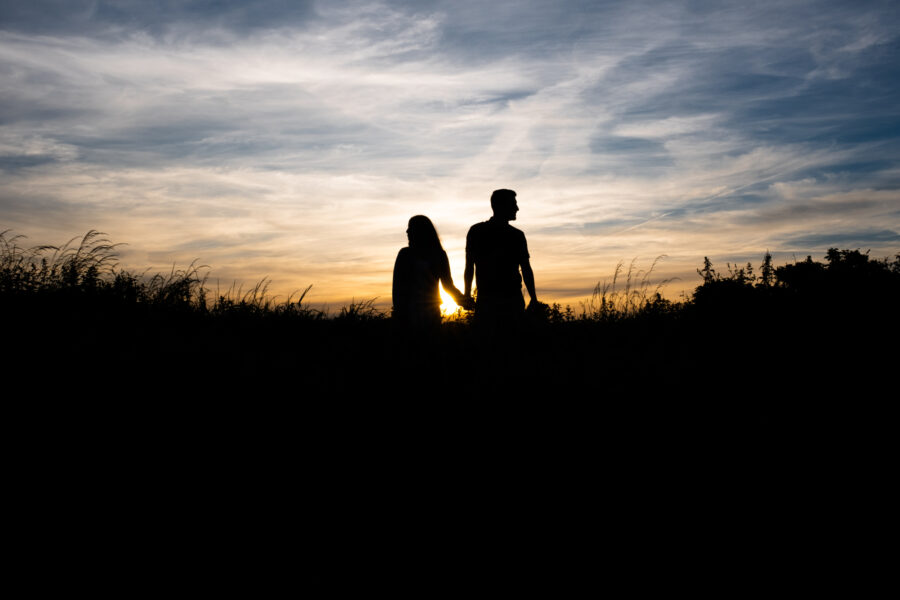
[498,249]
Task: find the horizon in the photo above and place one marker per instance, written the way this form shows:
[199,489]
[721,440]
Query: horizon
[293,141]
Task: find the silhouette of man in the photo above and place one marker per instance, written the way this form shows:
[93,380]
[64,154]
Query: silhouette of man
[495,253]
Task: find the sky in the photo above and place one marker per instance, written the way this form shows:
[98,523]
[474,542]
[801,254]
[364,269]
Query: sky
[293,140]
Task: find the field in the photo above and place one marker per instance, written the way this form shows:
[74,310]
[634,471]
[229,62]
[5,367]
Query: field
[142,407]
[753,350]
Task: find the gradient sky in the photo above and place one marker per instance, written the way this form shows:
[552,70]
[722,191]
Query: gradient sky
[293,140]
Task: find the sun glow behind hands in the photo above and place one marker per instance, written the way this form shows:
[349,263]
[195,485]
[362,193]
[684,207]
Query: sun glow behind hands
[448,306]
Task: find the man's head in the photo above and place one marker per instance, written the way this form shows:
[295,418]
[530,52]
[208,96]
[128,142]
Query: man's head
[503,202]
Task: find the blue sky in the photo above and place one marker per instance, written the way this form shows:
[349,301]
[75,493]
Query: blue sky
[293,140]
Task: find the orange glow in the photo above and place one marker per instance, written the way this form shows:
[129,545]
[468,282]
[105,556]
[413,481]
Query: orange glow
[448,306]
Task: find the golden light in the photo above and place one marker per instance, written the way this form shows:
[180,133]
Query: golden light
[448,306]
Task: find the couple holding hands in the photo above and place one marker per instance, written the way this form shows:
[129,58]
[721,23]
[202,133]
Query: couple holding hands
[496,257]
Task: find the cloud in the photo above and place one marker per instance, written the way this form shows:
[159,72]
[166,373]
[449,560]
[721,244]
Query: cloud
[844,239]
[108,19]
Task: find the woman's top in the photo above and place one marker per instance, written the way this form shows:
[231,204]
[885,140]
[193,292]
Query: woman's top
[416,292]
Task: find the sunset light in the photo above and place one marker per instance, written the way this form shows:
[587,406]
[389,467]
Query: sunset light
[293,141]
[448,306]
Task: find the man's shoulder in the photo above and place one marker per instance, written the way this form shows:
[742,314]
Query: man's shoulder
[514,233]
[493,225]
[478,229]
[495,230]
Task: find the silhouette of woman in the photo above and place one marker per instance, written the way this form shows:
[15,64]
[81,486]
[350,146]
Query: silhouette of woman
[418,271]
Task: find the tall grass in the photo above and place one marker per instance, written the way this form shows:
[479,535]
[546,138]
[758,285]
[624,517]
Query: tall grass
[257,300]
[46,267]
[614,299]
[89,266]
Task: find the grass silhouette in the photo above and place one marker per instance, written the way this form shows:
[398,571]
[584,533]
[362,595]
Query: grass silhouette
[750,344]
[636,297]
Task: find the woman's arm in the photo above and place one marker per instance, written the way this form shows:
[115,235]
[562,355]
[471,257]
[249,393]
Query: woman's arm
[447,280]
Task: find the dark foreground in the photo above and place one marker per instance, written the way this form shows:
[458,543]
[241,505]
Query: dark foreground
[745,436]
[802,356]
[154,433]
[720,367]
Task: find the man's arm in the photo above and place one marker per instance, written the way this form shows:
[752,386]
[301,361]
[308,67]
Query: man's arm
[528,278]
[469,274]
[527,273]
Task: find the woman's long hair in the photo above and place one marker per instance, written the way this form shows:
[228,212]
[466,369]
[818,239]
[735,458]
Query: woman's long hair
[423,237]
